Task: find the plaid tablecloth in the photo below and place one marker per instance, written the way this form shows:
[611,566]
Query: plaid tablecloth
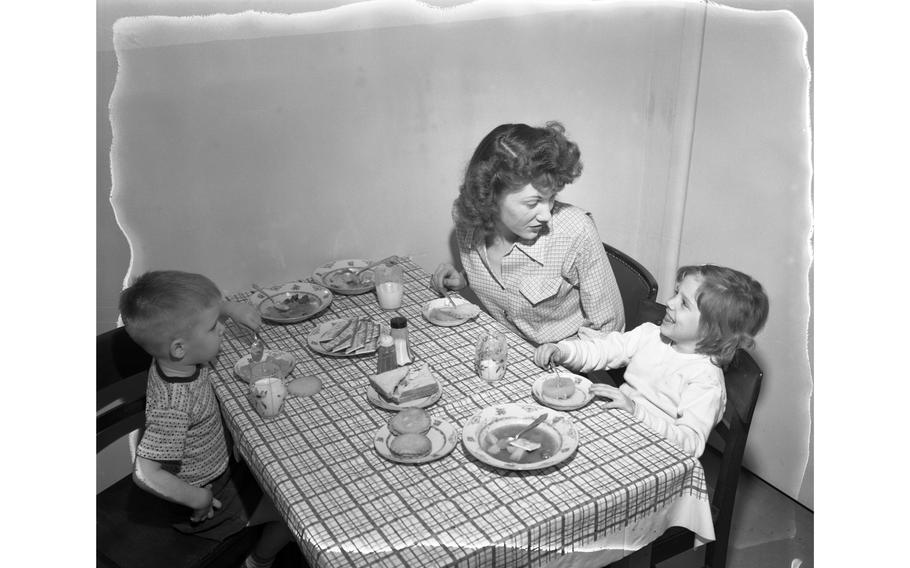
[347,506]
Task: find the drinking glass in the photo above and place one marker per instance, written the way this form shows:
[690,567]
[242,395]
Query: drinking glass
[491,356]
[389,286]
[267,396]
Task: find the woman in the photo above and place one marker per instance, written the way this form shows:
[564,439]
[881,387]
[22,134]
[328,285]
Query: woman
[537,264]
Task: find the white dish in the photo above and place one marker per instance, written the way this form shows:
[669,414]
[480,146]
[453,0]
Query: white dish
[274,364]
[313,342]
[304,299]
[431,312]
[377,400]
[332,275]
[443,438]
[581,397]
[558,427]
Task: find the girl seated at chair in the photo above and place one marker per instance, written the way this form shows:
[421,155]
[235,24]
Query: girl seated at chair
[674,381]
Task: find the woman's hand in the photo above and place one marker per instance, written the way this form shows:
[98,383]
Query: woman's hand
[548,355]
[618,398]
[242,313]
[446,277]
[207,511]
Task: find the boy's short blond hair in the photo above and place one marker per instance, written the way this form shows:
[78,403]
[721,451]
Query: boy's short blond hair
[161,305]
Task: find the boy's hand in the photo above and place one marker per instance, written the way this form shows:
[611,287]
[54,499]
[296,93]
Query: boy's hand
[618,398]
[548,355]
[207,511]
[243,313]
[446,277]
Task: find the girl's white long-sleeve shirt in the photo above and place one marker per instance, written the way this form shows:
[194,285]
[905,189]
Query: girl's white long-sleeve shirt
[679,395]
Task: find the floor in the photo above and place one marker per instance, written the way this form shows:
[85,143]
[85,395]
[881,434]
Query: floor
[769,530]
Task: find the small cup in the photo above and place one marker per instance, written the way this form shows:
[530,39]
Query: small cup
[389,286]
[491,356]
[267,396]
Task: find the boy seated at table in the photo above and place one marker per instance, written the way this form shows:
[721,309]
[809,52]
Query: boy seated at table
[674,381]
[183,456]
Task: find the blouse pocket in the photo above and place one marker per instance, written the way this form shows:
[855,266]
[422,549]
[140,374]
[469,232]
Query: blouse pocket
[536,290]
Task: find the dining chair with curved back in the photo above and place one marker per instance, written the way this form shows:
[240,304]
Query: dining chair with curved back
[743,378]
[130,530]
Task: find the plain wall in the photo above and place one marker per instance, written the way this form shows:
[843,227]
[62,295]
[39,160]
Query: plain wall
[257,158]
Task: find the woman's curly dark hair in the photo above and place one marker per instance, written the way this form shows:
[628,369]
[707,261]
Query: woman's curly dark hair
[510,157]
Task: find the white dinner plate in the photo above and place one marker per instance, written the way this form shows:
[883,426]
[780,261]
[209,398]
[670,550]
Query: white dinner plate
[558,428]
[431,312]
[274,364]
[581,397]
[313,342]
[332,275]
[304,299]
[443,438]
[377,400]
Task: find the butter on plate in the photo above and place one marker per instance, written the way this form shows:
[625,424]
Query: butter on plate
[405,384]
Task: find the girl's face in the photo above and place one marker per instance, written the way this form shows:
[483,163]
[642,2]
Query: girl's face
[523,214]
[681,321]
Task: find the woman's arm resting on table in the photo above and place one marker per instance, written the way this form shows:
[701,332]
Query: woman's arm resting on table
[243,313]
[150,476]
[447,277]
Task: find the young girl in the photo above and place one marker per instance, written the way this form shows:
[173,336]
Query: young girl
[674,381]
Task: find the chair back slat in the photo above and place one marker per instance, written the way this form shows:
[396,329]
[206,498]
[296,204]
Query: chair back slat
[635,284]
[121,369]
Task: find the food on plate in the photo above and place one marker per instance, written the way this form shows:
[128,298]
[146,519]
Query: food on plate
[343,339]
[558,388]
[273,363]
[549,444]
[404,384]
[345,279]
[347,336]
[364,330]
[454,313]
[410,421]
[334,330]
[298,304]
[305,386]
[410,445]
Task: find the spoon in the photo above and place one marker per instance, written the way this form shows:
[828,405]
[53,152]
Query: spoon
[257,350]
[278,306]
[501,444]
[448,295]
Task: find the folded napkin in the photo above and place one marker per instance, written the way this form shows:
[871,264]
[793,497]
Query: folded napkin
[407,383]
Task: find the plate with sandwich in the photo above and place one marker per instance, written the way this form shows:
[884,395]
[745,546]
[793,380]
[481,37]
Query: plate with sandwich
[345,337]
[435,441]
[441,312]
[410,386]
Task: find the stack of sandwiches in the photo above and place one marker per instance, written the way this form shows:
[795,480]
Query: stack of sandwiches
[405,384]
[349,336]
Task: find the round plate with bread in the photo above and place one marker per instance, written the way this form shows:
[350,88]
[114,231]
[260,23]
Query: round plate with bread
[562,391]
[416,447]
[441,312]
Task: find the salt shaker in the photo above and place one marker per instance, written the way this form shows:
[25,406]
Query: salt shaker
[386,359]
[400,340]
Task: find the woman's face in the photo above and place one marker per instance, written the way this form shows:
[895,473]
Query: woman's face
[525,213]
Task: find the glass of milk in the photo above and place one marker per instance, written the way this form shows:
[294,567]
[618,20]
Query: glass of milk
[389,286]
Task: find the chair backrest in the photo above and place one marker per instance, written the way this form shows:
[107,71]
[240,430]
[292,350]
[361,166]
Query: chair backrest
[121,374]
[742,378]
[636,286]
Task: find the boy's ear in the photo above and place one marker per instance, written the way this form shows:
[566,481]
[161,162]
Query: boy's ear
[178,348]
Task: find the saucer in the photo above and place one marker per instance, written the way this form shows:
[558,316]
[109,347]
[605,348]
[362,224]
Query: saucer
[443,438]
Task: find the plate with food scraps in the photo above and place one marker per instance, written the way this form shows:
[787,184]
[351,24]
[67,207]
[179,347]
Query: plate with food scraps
[562,391]
[425,402]
[273,364]
[303,301]
[441,312]
[345,337]
[339,276]
[443,437]
[557,436]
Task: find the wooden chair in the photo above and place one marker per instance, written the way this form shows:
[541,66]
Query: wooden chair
[743,379]
[132,526]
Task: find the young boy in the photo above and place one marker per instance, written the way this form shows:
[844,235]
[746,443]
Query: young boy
[674,382]
[183,456]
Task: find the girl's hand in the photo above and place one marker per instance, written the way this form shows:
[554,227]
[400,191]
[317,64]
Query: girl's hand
[618,398]
[242,313]
[548,355]
[207,511]
[446,277]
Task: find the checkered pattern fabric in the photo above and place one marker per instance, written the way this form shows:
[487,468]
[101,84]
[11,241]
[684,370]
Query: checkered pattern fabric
[543,284]
[349,507]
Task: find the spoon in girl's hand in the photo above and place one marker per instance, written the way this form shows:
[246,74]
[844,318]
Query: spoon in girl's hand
[271,297]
